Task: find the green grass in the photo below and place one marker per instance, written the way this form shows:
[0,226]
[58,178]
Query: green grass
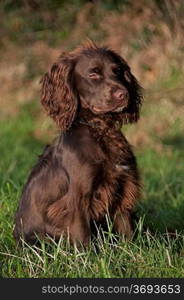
[157,249]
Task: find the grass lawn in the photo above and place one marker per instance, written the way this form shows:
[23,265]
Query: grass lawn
[157,249]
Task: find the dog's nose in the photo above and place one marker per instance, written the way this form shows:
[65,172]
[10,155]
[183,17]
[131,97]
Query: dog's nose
[120,94]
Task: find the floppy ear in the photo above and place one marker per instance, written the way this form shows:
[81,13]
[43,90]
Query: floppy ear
[131,114]
[57,94]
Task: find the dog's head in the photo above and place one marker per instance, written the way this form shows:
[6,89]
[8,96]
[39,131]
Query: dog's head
[91,77]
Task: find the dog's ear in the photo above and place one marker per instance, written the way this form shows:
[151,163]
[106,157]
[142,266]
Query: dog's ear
[57,93]
[131,114]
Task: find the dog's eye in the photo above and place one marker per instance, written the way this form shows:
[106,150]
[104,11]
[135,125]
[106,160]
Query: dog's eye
[94,73]
[117,70]
[95,70]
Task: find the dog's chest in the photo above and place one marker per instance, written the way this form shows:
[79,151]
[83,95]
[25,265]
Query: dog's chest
[108,188]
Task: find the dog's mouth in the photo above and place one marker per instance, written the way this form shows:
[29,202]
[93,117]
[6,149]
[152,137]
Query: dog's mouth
[120,109]
[117,109]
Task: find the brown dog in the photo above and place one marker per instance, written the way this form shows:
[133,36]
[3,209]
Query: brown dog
[90,169]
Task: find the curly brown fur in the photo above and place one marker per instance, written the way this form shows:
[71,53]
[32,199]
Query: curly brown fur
[90,169]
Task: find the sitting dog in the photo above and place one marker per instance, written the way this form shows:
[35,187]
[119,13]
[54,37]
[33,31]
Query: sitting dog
[90,169]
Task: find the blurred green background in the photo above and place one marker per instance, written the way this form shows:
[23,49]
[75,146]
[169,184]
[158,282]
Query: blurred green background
[149,35]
